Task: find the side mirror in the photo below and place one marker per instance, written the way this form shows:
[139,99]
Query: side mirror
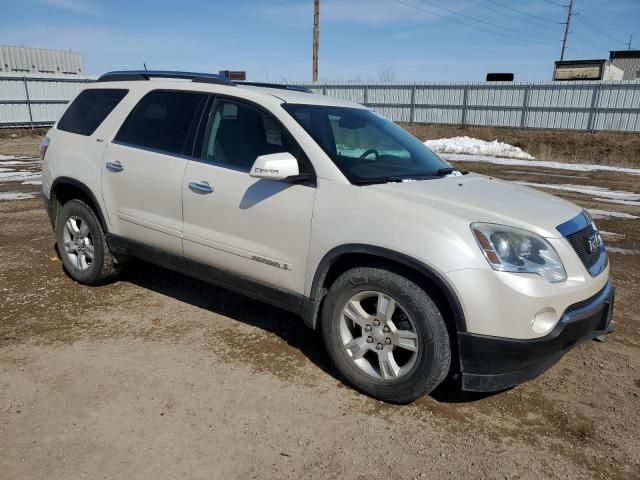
[275,166]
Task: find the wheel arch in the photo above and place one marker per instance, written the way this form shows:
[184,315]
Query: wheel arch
[64,189]
[344,257]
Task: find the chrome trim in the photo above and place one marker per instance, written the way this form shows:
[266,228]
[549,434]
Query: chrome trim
[114,166]
[200,187]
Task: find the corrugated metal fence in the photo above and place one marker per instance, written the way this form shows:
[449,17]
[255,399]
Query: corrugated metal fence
[35,101]
[591,106]
[613,106]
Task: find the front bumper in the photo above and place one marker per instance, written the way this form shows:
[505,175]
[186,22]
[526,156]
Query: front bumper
[493,363]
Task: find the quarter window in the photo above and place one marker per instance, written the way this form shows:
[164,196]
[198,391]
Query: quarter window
[237,134]
[163,121]
[89,109]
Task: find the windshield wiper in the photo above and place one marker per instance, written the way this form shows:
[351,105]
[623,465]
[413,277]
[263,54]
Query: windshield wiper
[442,172]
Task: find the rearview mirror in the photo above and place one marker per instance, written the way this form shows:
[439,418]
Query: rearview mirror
[275,166]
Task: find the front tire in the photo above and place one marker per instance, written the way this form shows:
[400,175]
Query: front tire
[385,335]
[82,245]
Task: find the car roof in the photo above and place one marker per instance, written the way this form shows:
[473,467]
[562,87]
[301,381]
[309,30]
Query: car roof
[298,97]
[250,92]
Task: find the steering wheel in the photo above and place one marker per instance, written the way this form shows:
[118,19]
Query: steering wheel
[366,154]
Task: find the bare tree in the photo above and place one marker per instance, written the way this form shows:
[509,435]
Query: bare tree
[386,74]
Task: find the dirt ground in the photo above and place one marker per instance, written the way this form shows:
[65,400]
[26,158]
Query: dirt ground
[161,376]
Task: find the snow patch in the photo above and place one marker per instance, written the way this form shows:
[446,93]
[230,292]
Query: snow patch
[575,167]
[619,202]
[32,182]
[601,193]
[623,251]
[473,146]
[16,196]
[11,157]
[19,176]
[599,214]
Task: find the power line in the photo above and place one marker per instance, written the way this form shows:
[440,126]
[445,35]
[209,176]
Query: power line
[593,26]
[455,20]
[483,21]
[555,4]
[521,12]
[502,12]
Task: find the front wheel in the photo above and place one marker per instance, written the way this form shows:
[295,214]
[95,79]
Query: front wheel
[82,245]
[385,335]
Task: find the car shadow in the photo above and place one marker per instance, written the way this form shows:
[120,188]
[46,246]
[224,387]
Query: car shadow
[287,326]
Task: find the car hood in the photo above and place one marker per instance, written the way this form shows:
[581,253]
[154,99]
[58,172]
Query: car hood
[478,198]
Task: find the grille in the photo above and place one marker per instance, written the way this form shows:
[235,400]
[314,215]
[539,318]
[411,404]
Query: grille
[580,241]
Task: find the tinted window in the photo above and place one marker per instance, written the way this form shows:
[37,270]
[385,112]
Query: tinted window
[163,121]
[366,147]
[89,109]
[237,134]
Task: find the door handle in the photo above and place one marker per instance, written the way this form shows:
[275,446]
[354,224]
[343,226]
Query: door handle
[114,166]
[200,187]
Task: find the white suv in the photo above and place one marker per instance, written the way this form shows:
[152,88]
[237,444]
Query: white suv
[412,270]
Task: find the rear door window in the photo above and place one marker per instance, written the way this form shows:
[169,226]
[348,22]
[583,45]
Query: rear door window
[89,110]
[164,121]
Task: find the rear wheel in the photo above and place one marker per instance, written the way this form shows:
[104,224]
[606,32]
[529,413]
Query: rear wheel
[385,335]
[82,245]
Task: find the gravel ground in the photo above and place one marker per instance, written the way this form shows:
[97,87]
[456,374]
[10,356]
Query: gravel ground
[161,376]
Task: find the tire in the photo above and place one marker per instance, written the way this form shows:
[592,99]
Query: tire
[82,245]
[416,333]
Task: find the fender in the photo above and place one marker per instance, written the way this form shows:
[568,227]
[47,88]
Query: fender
[82,187]
[334,254]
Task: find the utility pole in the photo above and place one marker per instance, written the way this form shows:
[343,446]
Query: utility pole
[316,37]
[630,40]
[566,29]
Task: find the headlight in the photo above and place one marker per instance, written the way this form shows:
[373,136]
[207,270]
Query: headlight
[510,249]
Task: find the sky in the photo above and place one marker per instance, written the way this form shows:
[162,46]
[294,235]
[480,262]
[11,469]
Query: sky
[403,40]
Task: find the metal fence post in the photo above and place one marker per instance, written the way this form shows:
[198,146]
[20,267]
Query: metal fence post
[525,108]
[465,99]
[324,89]
[26,92]
[595,98]
[412,111]
[365,96]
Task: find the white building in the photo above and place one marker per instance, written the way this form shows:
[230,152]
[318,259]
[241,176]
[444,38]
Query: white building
[22,61]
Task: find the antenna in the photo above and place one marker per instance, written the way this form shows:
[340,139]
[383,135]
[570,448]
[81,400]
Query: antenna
[566,29]
[145,66]
[630,40]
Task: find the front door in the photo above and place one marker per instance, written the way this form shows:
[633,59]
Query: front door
[253,227]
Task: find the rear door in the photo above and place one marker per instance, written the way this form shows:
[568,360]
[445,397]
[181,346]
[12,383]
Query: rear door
[143,168]
[253,227]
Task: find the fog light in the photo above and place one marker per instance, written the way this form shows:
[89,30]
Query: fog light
[544,321]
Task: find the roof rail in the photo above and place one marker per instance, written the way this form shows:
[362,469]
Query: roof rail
[282,86]
[129,75]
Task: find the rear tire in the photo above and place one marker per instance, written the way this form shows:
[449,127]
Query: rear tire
[82,245]
[385,335]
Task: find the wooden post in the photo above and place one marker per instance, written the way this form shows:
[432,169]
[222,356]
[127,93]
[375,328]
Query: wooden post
[316,37]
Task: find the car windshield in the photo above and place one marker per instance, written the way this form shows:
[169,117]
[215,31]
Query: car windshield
[365,146]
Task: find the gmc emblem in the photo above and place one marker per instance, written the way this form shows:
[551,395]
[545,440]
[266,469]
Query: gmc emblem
[593,242]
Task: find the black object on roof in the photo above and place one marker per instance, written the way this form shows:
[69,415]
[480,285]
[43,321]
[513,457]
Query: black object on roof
[624,54]
[500,77]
